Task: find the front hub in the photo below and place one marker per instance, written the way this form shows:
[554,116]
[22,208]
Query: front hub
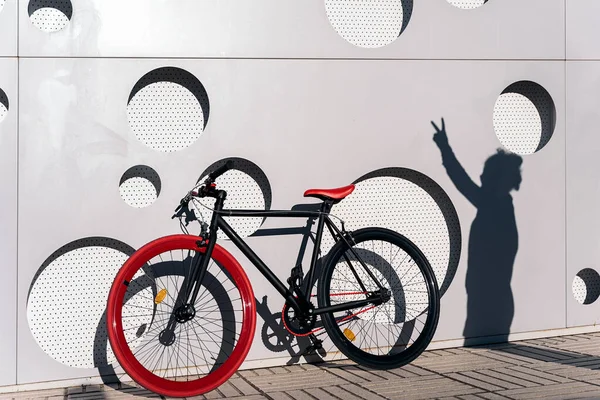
[185,313]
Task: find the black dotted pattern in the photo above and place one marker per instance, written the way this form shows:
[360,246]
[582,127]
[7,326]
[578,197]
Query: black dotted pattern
[140,186]
[586,286]
[67,300]
[467,4]
[369,23]
[412,204]
[50,15]
[3,105]
[247,187]
[168,109]
[524,117]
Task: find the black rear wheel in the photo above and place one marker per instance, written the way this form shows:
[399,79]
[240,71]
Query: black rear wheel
[391,334]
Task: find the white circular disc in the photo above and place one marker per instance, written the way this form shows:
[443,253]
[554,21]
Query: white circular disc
[3,112]
[49,19]
[243,192]
[166,116]
[518,123]
[401,206]
[467,4]
[68,300]
[366,23]
[138,192]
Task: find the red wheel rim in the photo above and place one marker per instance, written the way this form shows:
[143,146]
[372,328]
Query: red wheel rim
[115,327]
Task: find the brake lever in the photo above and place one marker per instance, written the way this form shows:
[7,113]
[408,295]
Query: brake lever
[184,208]
[178,212]
[189,215]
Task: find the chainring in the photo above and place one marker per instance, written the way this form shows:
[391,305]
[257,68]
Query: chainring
[295,325]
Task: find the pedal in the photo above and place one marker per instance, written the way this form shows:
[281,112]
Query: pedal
[317,344]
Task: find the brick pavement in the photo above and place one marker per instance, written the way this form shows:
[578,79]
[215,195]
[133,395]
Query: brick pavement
[565,367]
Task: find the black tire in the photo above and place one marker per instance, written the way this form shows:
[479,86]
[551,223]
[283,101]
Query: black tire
[398,354]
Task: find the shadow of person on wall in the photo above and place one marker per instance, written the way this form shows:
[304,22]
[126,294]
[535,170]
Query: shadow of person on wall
[493,239]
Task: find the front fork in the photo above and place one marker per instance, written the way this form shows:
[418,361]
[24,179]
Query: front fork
[183,309]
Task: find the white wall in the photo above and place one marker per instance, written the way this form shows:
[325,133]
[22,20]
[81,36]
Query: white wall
[310,109]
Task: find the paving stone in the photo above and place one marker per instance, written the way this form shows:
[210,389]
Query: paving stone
[508,377]
[35,394]
[364,374]
[491,396]
[416,370]
[279,370]
[545,392]
[541,374]
[481,376]
[319,393]
[508,358]
[420,388]
[242,386]
[263,372]
[456,363]
[213,395]
[361,393]
[474,382]
[299,395]
[303,380]
[551,368]
[348,376]
[279,396]
[228,390]
[532,379]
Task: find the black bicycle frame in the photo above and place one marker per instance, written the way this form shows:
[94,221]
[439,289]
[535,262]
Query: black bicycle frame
[300,303]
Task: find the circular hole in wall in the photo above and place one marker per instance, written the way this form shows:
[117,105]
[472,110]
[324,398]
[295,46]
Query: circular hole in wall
[369,23]
[247,188]
[411,203]
[3,105]
[524,117]
[67,301]
[140,186]
[586,286]
[50,15]
[467,4]
[168,109]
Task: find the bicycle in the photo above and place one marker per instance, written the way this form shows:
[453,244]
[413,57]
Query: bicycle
[358,288]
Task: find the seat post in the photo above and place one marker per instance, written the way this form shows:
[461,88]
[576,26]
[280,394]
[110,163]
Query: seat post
[325,208]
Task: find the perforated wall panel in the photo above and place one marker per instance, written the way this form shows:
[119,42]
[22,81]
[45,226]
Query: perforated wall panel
[50,15]
[524,117]
[583,214]
[582,29]
[367,23]
[278,29]
[4,105]
[140,186]
[467,4]
[401,200]
[8,28]
[586,286]
[303,139]
[247,188]
[67,301]
[8,216]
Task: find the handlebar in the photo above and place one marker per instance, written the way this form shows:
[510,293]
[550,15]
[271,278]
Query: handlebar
[220,171]
[204,190]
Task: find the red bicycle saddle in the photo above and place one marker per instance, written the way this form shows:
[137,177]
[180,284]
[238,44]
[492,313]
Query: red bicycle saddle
[330,194]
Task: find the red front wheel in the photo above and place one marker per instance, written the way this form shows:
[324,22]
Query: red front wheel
[170,347]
